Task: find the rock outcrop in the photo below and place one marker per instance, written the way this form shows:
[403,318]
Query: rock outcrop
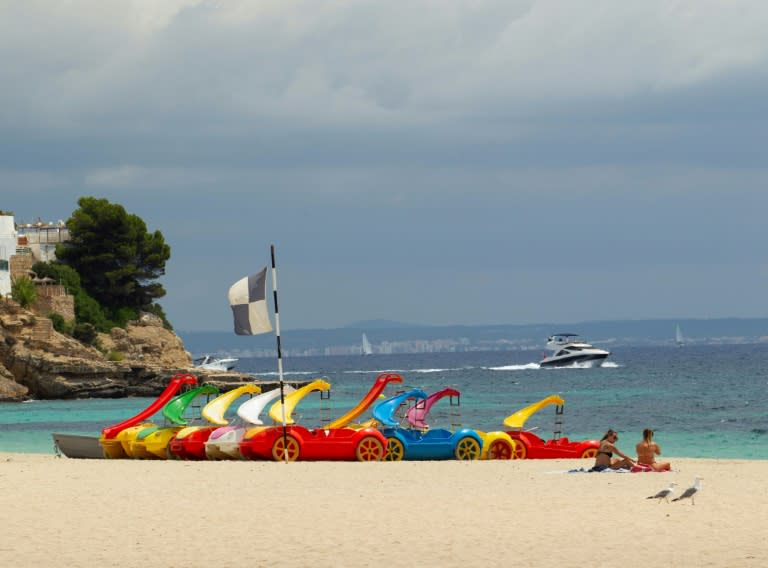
[37,362]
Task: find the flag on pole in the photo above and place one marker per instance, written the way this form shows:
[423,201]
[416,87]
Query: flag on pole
[247,297]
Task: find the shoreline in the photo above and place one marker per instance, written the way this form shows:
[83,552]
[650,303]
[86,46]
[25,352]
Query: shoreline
[70,512]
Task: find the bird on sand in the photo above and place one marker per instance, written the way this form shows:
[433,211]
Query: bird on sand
[664,493]
[691,491]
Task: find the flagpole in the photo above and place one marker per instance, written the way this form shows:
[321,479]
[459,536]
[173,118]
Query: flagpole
[279,353]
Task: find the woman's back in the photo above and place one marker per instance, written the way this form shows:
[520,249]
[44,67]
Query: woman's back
[646,452]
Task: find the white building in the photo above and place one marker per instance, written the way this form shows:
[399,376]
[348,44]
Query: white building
[7,249]
[40,239]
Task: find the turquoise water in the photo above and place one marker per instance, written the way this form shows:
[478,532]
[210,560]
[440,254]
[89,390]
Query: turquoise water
[709,401]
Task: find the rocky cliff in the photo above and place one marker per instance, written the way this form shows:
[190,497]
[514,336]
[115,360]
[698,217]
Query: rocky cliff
[37,362]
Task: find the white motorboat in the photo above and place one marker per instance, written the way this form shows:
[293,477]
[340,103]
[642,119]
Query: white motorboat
[569,350]
[215,363]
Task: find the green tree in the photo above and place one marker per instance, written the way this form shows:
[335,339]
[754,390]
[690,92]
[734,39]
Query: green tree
[117,259]
[87,310]
[24,292]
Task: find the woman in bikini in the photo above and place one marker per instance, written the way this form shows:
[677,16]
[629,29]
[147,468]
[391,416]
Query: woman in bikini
[647,450]
[605,460]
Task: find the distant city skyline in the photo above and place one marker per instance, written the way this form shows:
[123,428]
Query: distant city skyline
[491,162]
[433,339]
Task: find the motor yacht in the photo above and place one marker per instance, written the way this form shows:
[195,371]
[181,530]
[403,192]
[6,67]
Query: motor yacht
[569,349]
[215,364]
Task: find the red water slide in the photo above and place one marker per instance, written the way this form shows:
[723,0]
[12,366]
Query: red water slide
[177,382]
[378,387]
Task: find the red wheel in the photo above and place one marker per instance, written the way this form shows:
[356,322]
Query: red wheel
[395,450]
[589,453]
[289,447]
[500,450]
[519,452]
[369,449]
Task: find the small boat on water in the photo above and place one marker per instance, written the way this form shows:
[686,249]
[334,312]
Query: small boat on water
[215,363]
[77,446]
[365,348]
[679,340]
[569,349]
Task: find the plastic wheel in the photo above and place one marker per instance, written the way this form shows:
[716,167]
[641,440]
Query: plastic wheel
[289,446]
[395,450]
[369,449]
[519,452]
[589,453]
[467,449]
[500,450]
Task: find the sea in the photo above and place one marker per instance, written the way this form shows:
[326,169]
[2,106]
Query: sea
[703,401]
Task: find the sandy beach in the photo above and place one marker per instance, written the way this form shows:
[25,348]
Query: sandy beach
[64,512]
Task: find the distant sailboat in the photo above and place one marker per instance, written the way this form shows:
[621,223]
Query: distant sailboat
[679,337]
[366,347]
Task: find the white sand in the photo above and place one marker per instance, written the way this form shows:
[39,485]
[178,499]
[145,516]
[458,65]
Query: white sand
[63,512]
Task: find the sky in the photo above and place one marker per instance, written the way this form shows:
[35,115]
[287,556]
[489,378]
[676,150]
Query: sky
[435,162]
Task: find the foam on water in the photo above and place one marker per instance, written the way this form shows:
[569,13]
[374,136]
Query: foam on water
[525,367]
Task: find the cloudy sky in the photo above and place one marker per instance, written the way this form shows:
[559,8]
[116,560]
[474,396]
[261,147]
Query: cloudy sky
[433,161]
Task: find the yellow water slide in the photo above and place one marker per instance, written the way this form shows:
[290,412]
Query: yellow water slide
[518,419]
[292,399]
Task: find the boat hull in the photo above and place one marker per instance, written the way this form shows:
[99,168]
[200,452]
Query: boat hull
[224,443]
[78,446]
[594,360]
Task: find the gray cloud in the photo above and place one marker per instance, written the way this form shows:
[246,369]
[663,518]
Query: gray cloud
[436,161]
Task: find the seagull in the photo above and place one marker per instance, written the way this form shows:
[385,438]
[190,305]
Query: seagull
[664,493]
[691,491]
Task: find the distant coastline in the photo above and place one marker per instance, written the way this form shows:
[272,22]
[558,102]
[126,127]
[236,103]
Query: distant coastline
[409,338]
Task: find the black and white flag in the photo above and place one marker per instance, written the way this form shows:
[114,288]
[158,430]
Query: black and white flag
[249,305]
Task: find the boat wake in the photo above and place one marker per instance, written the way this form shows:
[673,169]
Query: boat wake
[285,373]
[526,367]
[586,365]
[369,371]
[534,366]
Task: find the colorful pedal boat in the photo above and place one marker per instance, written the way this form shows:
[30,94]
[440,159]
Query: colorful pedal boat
[530,446]
[153,442]
[496,445]
[341,444]
[335,442]
[116,440]
[189,442]
[224,442]
[419,442]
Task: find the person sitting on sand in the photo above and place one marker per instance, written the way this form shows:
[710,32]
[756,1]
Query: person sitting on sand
[604,458]
[647,450]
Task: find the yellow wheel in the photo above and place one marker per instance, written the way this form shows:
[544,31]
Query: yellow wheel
[467,449]
[369,449]
[519,452]
[500,450]
[395,450]
[289,446]
[589,453]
